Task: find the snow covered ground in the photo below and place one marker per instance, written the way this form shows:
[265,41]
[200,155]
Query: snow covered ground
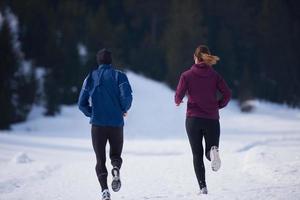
[52,158]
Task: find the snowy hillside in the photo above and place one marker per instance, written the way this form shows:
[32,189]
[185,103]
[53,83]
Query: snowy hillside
[52,158]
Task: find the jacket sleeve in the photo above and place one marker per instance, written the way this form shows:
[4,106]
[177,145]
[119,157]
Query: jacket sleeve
[181,90]
[83,101]
[125,92]
[225,91]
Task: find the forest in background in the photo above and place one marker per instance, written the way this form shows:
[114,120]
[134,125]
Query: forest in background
[47,47]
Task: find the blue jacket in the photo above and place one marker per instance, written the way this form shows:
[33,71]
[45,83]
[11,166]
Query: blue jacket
[105,96]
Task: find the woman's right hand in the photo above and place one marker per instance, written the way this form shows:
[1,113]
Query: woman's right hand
[178,104]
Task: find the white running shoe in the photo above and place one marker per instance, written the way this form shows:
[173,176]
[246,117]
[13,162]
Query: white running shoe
[105,195]
[215,158]
[203,190]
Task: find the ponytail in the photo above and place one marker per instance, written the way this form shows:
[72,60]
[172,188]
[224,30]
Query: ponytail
[209,59]
[202,53]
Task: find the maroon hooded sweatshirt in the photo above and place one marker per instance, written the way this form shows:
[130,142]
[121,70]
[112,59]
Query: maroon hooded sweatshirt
[201,84]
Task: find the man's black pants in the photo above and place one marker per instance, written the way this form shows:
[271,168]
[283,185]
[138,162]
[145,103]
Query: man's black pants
[197,128]
[100,136]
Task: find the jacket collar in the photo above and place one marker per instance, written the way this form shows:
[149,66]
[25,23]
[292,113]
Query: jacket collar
[202,69]
[105,66]
[201,65]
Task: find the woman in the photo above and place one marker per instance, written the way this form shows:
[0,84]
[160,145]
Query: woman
[203,85]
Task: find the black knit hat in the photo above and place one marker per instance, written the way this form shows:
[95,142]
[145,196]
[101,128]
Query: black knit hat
[104,57]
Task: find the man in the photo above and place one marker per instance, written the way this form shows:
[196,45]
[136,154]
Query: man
[105,97]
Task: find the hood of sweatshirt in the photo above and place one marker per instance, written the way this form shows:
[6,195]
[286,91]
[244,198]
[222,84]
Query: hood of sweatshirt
[202,69]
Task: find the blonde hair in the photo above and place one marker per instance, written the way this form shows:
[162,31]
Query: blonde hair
[202,53]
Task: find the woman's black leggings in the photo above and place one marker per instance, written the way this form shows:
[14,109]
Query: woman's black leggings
[100,136]
[197,128]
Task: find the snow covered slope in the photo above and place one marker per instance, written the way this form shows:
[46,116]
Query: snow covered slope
[52,158]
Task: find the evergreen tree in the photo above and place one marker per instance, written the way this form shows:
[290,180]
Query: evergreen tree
[69,12]
[52,94]
[54,79]
[186,30]
[8,65]
[17,90]
[146,22]
[278,53]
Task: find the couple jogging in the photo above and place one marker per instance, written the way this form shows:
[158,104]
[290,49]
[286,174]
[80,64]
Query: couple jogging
[106,96]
